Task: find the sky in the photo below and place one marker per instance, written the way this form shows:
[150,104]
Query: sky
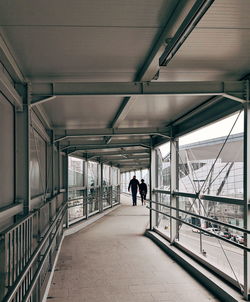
[215,130]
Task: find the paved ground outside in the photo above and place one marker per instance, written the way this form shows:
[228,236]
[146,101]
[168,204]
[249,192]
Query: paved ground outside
[111,261]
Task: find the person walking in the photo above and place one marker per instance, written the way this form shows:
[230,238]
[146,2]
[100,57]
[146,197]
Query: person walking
[143,191]
[134,185]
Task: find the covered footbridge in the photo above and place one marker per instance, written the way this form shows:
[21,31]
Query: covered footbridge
[93,92]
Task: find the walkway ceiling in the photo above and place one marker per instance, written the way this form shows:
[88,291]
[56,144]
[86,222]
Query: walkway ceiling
[47,43]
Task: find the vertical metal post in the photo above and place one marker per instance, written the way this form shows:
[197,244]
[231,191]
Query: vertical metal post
[87,187]
[156,185]
[59,185]
[52,163]
[101,188]
[22,156]
[152,178]
[173,186]
[111,183]
[247,193]
[66,181]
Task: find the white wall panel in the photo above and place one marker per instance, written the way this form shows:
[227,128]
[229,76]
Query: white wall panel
[37,164]
[6,152]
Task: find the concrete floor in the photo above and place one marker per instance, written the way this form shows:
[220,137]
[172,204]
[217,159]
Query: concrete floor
[111,260]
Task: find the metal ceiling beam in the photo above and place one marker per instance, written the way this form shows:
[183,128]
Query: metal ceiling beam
[8,90]
[151,65]
[229,89]
[117,159]
[9,62]
[114,153]
[40,112]
[121,143]
[76,148]
[194,16]
[134,167]
[43,100]
[114,132]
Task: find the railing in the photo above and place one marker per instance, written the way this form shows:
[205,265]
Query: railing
[28,248]
[92,201]
[107,196]
[27,252]
[167,212]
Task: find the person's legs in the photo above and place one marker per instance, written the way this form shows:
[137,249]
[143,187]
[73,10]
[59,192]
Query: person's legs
[141,198]
[134,197]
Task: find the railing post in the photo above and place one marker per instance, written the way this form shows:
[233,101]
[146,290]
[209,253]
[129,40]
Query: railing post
[53,163]
[111,195]
[4,271]
[87,188]
[101,189]
[152,195]
[173,186]
[22,156]
[247,193]
[66,181]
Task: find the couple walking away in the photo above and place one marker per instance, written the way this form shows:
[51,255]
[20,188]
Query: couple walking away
[134,185]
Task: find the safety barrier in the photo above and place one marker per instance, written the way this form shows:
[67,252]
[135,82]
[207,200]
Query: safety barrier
[85,202]
[28,250]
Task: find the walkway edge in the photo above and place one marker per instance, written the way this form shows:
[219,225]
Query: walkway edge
[71,230]
[209,280]
[84,223]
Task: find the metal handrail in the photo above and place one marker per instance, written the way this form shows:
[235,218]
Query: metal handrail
[203,217]
[33,258]
[202,230]
[222,199]
[41,264]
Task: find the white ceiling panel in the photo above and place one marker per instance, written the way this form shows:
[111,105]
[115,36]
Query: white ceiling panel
[218,48]
[44,52]
[89,13]
[157,111]
[82,112]
[227,14]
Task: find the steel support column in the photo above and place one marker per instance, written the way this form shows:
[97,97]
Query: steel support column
[86,184]
[152,179]
[22,156]
[247,195]
[101,188]
[53,159]
[66,183]
[173,187]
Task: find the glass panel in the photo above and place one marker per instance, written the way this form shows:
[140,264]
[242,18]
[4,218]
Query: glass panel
[106,175]
[163,160]
[75,172]
[114,176]
[211,159]
[7,153]
[163,222]
[93,199]
[37,164]
[138,174]
[92,174]
[145,176]
[75,194]
[76,209]
[107,197]
[222,255]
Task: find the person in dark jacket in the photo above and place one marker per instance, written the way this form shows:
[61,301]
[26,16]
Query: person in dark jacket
[143,191]
[134,185]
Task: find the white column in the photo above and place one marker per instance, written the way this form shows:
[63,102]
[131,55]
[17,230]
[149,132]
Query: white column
[247,194]
[173,187]
[22,140]
[152,177]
